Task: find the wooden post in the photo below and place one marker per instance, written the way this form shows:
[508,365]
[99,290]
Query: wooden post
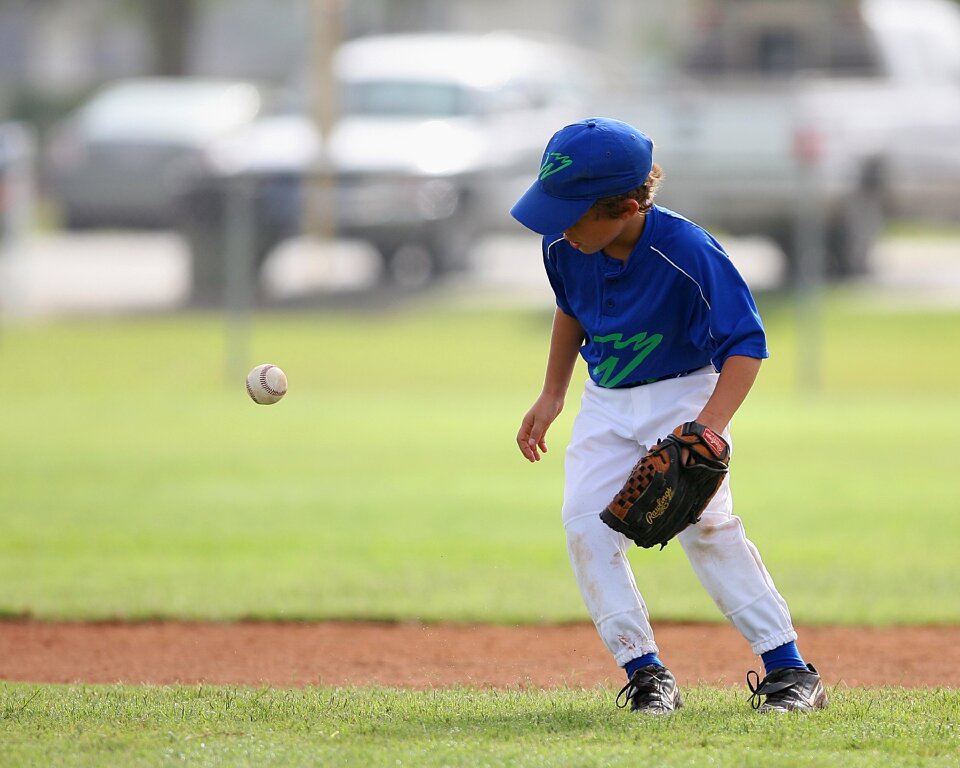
[319,215]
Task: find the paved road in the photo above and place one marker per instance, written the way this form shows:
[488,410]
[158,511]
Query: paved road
[73,273]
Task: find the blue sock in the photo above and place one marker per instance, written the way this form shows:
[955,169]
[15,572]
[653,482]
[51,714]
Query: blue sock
[785,657]
[644,661]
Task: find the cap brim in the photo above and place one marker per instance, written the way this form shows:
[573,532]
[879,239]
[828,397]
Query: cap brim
[545,214]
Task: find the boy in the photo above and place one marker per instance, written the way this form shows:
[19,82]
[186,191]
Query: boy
[656,308]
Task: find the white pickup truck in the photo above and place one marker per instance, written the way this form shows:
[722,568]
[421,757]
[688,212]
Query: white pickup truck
[863,95]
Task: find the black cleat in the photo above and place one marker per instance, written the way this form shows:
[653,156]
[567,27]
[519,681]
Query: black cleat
[787,690]
[652,689]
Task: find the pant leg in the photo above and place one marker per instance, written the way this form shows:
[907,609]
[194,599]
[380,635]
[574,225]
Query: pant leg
[725,561]
[600,455]
[733,574]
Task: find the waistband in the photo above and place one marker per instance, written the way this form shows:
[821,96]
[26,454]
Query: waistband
[698,369]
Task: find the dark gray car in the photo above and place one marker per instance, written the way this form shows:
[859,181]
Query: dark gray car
[119,158]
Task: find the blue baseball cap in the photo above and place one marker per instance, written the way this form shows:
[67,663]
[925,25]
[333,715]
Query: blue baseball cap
[583,162]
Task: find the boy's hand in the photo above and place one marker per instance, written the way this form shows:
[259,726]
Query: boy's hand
[531,439]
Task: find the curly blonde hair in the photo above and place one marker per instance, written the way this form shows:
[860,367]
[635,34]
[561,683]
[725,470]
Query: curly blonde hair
[612,207]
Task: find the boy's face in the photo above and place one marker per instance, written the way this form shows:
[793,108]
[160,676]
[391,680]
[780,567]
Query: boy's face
[595,231]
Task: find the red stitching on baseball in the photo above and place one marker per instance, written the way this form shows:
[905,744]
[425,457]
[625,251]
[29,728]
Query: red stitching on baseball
[263,382]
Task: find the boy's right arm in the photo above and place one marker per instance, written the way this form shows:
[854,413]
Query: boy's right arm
[565,344]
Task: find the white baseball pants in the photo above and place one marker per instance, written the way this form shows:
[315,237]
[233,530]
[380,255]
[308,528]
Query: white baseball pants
[613,429]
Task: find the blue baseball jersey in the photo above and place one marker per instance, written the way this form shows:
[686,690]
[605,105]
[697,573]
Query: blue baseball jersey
[676,305]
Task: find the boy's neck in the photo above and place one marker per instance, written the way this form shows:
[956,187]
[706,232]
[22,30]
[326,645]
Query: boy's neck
[623,246]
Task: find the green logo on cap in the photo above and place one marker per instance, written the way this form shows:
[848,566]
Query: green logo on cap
[548,168]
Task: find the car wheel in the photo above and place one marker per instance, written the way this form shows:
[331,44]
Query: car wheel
[849,236]
[75,221]
[410,265]
[209,269]
[853,232]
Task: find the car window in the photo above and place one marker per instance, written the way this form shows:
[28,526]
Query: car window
[176,112]
[405,98]
[919,40]
[768,40]
[513,96]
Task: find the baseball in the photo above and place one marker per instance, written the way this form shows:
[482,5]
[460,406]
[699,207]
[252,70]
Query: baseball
[266,384]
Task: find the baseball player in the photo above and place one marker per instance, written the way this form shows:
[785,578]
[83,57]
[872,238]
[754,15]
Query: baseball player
[670,334]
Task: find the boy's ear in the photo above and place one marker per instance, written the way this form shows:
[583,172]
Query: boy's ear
[630,208]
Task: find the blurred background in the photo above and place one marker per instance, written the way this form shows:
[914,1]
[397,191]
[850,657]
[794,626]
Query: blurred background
[191,187]
[175,153]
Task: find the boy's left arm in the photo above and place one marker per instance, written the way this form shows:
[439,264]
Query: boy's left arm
[733,385]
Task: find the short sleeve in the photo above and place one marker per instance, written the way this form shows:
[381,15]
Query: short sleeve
[551,265]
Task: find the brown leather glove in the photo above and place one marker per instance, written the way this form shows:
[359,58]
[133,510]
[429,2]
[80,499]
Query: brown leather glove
[670,486]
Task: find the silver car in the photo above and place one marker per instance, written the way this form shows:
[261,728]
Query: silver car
[118,159]
[436,136]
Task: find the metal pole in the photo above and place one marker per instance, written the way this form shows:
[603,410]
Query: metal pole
[240,275]
[810,237]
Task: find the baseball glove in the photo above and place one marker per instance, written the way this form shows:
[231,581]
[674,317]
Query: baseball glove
[670,486]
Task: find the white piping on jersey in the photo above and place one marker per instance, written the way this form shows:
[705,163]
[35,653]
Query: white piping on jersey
[663,256]
[699,287]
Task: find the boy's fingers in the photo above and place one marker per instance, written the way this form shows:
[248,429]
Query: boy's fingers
[524,442]
[538,439]
[532,437]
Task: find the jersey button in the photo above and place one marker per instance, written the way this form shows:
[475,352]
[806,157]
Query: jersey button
[611,303]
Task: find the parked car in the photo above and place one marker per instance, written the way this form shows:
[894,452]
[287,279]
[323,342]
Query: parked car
[117,160]
[857,101]
[437,135]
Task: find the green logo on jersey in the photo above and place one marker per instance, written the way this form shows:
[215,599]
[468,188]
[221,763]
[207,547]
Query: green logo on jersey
[642,344]
[548,168]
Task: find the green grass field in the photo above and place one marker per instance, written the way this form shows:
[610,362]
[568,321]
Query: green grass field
[210,726]
[137,480]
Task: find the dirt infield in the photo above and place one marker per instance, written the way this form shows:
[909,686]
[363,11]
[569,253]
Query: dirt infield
[421,656]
